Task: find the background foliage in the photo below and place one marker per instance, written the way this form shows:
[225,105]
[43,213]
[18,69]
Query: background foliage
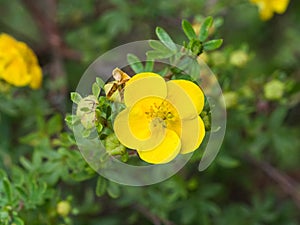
[255,178]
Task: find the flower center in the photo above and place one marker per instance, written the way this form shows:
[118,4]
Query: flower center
[163,111]
[151,114]
[161,114]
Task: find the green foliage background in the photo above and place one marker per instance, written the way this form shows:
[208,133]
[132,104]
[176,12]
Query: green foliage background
[255,178]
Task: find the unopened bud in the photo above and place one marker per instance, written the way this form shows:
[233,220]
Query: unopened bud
[86,111]
[230,98]
[239,58]
[63,208]
[274,90]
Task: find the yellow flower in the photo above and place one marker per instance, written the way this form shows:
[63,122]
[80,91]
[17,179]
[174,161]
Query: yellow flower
[161,119]
[268,7]
[18,63]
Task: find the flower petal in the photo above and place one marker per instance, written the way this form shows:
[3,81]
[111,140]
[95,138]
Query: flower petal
[193,91]
[165,152]
[145,138]
[144,85]
[192,135]
[181,100]
[36,74]
[139,120]
[266,13]
[280,6]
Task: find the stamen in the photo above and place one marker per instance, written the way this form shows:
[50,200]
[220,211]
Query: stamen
[162,111]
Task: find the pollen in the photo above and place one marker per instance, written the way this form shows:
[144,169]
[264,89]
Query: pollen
[164,111]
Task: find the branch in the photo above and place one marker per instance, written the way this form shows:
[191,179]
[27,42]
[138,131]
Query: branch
[45,21]
[285,182]
[152,217]
[50,29]
[45,24]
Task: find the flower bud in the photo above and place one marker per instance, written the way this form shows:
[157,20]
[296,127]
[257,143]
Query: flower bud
[113,145]
[115,97]
[86,111]
[274,90]
[63,208]
[218,58]
[239,58]
[231,99]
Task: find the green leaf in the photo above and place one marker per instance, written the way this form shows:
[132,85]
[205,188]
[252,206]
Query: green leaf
[2,174]
[113,145]
[22,193]
[7,189]
[75,97]
[194,70]
[188,30]
[31,139]
[228,162]
[125,157]
[157,45]
[135,63]
[163,72]
[72,120]
[166,39]
[26,163]
[101,186]
[54,125]
[85,109]
[99,127]
[96,90]
[203,34]
[86,133]
[100,82]
[212,45]
[160,51]
[277,117]
[113,190]
[155,54]
[149,66]
[18,221]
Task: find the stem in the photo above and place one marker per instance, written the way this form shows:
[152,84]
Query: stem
[285,182]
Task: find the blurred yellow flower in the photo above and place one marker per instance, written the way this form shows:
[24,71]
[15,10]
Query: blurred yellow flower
[161,119]
[274,90]
[268,7]
[18,63]
[238,58]
[218,58]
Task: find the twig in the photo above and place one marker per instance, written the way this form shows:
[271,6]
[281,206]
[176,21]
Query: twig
[152,217]
[45,23]
[48,27]
[285,182]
